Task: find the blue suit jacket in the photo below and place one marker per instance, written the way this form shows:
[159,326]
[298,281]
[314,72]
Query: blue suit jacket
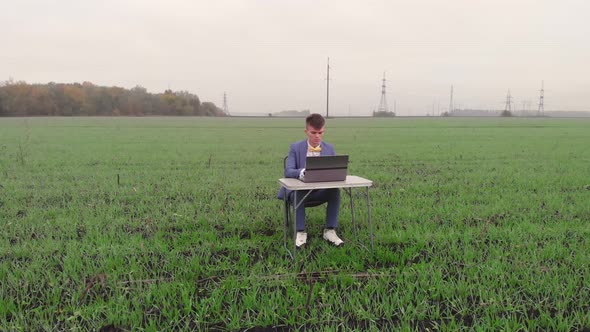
[296,161]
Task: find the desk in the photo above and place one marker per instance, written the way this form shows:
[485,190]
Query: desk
[296,185]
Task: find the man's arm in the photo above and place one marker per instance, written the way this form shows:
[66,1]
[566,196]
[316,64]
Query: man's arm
[291,169]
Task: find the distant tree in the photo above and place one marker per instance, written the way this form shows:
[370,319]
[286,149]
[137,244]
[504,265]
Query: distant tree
[117,95]
[73,99]
[138,102]
[168,100]
[209,109]
[18,101]
[17,98]
[2,97]
[506,113]
[41,102]
[190,103]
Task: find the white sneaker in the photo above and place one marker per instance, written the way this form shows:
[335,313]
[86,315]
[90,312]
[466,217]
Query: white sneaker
[330,236]
[300,239]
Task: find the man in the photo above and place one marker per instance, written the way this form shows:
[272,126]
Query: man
[295,168]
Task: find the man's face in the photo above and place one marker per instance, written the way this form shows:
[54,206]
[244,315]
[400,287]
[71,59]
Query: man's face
[314,135]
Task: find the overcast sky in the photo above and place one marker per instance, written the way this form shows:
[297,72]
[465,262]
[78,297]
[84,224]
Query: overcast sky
[270,55]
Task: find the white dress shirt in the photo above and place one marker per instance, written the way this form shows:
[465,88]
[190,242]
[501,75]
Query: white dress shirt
[309,154]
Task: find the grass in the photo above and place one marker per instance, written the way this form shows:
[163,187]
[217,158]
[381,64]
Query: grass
[172,223]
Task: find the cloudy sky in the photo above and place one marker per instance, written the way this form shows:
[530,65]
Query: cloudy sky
[270,55]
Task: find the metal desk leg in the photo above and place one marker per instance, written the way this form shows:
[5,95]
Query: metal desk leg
[370,222]
[287,209]
[295,205]
[352,212]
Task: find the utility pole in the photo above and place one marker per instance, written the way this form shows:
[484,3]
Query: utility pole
[541,110]
[451,106]
[328,90]
[508,106]
[225,107]
[383,102]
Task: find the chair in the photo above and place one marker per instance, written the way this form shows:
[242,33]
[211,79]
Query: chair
[289,218]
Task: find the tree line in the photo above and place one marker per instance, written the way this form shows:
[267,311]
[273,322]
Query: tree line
[17,98]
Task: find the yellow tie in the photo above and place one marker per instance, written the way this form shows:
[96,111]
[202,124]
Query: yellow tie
[318,149]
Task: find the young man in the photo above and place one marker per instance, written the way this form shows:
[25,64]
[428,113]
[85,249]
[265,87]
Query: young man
[295,168]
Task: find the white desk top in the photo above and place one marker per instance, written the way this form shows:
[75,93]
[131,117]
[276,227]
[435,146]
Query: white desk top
[350,182]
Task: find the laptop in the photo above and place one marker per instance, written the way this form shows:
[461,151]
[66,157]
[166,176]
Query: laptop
[326,168]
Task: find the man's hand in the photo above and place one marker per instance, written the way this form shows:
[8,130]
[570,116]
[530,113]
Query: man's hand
[302,174]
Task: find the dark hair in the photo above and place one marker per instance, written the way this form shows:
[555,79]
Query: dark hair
[315,120]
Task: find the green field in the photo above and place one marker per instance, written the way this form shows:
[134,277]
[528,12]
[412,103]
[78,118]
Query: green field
[172,224]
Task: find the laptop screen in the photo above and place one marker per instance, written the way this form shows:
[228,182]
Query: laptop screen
[326,168]
[325,162]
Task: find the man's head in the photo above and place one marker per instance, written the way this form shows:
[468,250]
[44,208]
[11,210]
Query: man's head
[314,129]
